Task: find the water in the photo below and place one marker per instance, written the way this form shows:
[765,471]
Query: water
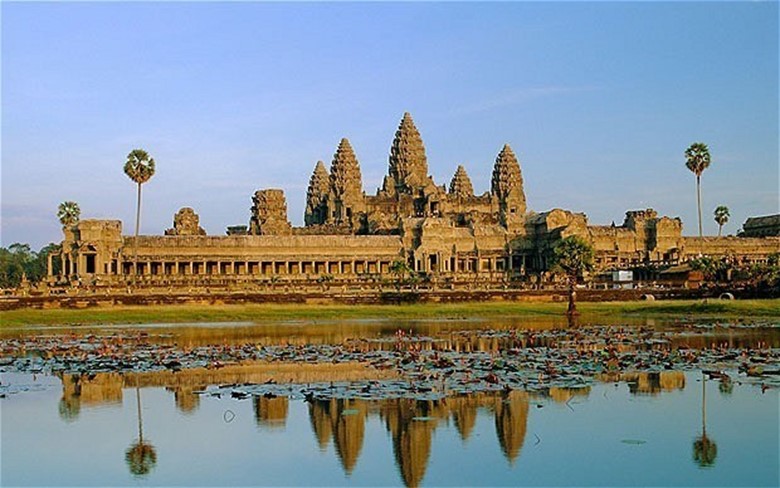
[631,429]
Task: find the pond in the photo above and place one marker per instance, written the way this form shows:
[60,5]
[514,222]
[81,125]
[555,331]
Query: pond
[313,412]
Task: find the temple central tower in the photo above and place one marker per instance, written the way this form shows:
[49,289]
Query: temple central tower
[408,164]
[507,188]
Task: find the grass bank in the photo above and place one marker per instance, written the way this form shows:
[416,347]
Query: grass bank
[273,312]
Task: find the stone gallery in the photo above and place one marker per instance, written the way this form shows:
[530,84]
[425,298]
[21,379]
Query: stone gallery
[444,234]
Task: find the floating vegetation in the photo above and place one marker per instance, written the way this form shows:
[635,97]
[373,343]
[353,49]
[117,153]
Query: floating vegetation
[451,363]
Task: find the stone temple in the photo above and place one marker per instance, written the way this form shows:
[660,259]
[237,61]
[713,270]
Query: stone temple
[446,234]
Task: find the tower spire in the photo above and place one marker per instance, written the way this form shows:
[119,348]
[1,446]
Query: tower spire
[460,185]
[317,195]
[507,187]
[408,163]
[345,177]
[345,201]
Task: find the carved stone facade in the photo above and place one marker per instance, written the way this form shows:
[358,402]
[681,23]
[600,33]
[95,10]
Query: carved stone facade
[317,196]
[186,223]
[507,188]
[269,214]
[455,236]
[460,186]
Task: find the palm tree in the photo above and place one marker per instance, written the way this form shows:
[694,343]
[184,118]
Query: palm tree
[572,256]
[141,456]
[697,159]
[68,212]
[139,168]
[704,449]
[722,215]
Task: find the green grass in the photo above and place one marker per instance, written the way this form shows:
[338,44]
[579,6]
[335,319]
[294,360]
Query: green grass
[275,312]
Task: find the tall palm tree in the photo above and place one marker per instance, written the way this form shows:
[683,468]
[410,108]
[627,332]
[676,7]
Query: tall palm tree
[139,168]
[572,256]
[697,159]
[141,456]
[722,215]
[69,213]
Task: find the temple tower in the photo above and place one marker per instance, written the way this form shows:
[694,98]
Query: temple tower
[346,200]
[507,188]
[186,223]
[408,164]
[269,214]
[317,196]
[461,186]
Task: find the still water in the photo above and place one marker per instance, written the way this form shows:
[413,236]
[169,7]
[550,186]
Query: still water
[648,432]
[163,428]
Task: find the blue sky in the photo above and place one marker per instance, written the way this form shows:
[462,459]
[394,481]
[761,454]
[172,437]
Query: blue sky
[599,101]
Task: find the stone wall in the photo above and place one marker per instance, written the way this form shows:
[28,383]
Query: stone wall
[745,249]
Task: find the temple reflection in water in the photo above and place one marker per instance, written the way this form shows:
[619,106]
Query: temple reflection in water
[410,423]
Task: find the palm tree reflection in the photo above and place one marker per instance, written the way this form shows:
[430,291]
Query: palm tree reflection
[140,456]
[704,449]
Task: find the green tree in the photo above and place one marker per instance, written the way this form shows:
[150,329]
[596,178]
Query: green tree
[697,159]
[37,268]
[722,215]
[764,276]
[69,213]
[572,256]
[19,259]
[12,262]
[708,266]
[399,269]
[139,168]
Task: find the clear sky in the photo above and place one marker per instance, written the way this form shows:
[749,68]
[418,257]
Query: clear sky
[598,100]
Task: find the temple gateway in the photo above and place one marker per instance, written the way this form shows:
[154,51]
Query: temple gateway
[444,234]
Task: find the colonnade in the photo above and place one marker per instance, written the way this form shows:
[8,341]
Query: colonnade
[230,267]
[474,263]
[437,263]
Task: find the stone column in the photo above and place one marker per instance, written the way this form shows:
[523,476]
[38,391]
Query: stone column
[50,265]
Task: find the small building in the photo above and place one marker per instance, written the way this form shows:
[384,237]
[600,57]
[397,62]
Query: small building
[681,276]
[623,279]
